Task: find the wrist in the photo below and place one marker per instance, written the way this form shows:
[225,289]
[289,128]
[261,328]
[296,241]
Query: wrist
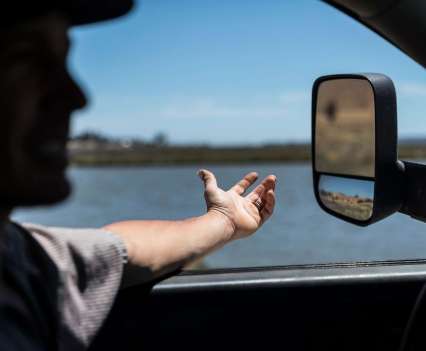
[225,223]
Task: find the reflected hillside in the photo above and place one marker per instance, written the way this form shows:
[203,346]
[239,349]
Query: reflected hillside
[356,207]
[345,128]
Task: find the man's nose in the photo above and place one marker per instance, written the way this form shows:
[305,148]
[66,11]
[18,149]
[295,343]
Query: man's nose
[75,95]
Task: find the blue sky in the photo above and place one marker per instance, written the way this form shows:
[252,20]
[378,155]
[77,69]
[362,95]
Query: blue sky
[229,72]
[350,187]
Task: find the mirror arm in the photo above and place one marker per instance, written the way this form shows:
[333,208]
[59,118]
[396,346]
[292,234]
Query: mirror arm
[413,183]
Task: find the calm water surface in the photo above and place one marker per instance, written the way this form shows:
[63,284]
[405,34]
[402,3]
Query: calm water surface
[299,232]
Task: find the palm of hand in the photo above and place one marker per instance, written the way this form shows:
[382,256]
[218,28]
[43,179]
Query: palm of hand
[245,213]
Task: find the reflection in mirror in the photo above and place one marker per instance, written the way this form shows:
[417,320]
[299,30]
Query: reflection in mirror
[352,198]
[344,133]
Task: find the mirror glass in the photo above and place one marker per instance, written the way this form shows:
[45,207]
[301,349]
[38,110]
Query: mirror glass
[344,131]
[350,197]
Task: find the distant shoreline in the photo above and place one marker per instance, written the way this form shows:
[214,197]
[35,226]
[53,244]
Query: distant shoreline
[82,155]
[206,163]
[187,155]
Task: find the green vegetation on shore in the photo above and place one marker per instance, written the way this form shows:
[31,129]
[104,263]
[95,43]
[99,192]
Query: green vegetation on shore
[94,150]
[191,155]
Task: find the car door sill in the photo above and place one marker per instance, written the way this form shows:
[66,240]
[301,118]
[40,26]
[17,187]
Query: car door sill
[295,276]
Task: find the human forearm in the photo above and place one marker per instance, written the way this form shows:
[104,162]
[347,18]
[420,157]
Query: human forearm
[156,248]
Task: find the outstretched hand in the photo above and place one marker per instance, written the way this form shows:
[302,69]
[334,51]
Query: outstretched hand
[155,247]
[245,214]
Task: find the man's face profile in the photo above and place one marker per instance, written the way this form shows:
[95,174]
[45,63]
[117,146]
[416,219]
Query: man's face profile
[37,97]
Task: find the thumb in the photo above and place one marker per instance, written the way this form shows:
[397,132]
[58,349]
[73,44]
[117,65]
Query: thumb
[210,183]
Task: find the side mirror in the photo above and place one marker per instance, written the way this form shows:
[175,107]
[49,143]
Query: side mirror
[354,147]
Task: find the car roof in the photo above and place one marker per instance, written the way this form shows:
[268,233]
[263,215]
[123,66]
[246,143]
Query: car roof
[401,22]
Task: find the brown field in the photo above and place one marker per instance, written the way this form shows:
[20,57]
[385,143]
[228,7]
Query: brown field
[345,129]
[351,206]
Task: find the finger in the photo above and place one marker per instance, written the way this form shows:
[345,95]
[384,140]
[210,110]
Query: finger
[268,209]
[267,183]
[245,183]
[210,183]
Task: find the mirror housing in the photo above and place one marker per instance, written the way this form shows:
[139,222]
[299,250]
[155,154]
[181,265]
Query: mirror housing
[388,171]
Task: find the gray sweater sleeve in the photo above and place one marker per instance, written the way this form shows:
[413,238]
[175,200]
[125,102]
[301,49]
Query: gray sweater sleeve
[90,265]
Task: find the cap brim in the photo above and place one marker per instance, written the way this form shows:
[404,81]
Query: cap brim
[91,11]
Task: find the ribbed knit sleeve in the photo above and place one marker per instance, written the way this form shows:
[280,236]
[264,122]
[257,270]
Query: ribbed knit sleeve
[90,265]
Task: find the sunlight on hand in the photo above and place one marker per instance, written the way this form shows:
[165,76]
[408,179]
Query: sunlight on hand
[246,213]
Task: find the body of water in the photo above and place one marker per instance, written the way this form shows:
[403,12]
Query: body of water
[299,231]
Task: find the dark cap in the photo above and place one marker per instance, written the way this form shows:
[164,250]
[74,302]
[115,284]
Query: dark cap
[78,11]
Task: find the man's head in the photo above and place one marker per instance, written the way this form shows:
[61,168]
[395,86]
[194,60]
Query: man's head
[37,98]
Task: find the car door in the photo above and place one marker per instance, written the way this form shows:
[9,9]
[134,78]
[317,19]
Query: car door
[362,306]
